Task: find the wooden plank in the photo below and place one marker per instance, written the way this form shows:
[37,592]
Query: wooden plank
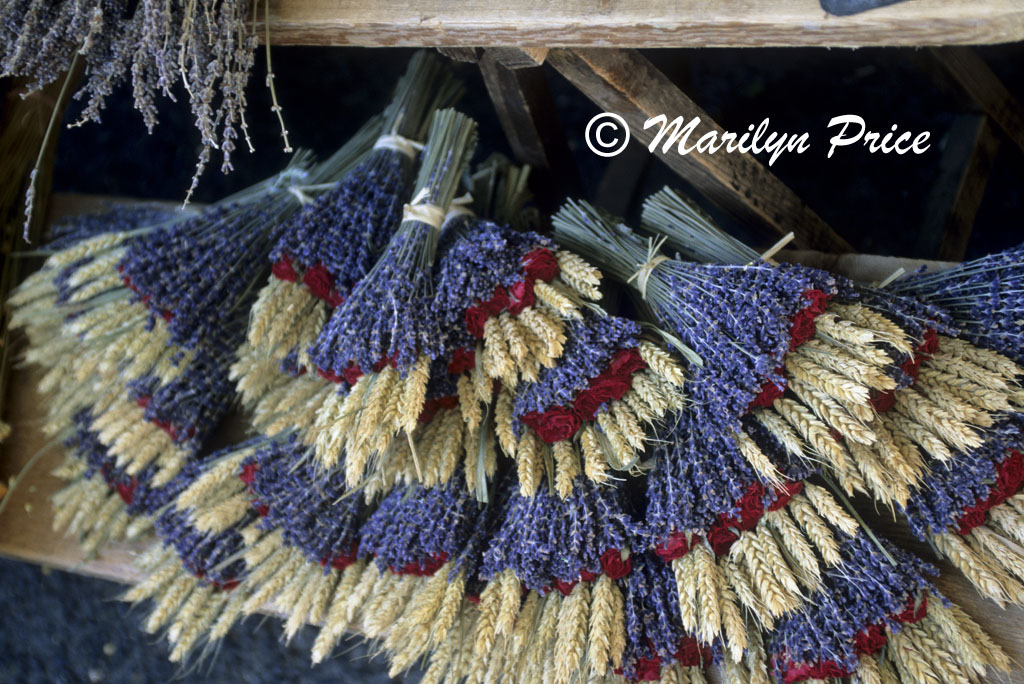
[971,75]
[639,23]
[626,83]
[957,193]
[527,114]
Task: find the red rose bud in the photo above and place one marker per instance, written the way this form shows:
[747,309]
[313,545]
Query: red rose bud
[587,576]
[462,361]
[334,377]
[802,328]
[334,300]
[554,425]
[784,494]
[248,473]
[648,669]
[822,670]
[975,516]
[498,301]
[319,282]
[352,373]
[767,396]
[931,342]
[540,264]
[818,301]
[677,546]
[721,539]
[340,561]
[870,640]
[614,565]
[913,612]
[690,654]
[126,490]
[751,507]
[564,588]
[522,293]
[625,362]
[283,269]
[476,317]
[883,401]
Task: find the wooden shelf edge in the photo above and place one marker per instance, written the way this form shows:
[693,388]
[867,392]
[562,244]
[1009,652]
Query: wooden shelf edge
[640,24]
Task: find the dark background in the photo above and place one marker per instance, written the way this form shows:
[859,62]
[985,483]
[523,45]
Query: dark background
[58,627]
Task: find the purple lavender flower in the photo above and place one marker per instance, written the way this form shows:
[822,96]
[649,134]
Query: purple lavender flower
[417,529]
[545,538]
[985,298]
[867,589]
[310,507]
[388,315]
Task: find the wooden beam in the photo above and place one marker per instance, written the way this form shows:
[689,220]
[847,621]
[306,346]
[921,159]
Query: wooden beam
[639,23]
[527,113]
[970,151]
[621,179]
[970,74]
[626,83]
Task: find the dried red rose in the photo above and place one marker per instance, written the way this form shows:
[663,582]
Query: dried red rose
[283,269]
[614,565]
[540,264]
[721,539]
[676,546]
[476,318]
[319,282]
[870,640]
[498,301]
[554,425]
[522,294]
[462,361]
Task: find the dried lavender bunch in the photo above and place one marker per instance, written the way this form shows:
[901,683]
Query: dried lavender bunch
[736,320]
[546,540]
[335,241]
[655,638]
[985,297]
[417,529]
[208,47]
[386,336]
[307,507]
[387,316]
[880,617]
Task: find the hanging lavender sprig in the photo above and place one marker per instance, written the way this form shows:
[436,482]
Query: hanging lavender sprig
[208,47]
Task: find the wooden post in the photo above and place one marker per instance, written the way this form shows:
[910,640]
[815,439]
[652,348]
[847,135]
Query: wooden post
[527,113]
[959,189]
[626,83]
[973,77]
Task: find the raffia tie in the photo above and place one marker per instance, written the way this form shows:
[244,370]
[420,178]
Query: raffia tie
[419,210]
[393,141]
[460,206]
[644,270]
